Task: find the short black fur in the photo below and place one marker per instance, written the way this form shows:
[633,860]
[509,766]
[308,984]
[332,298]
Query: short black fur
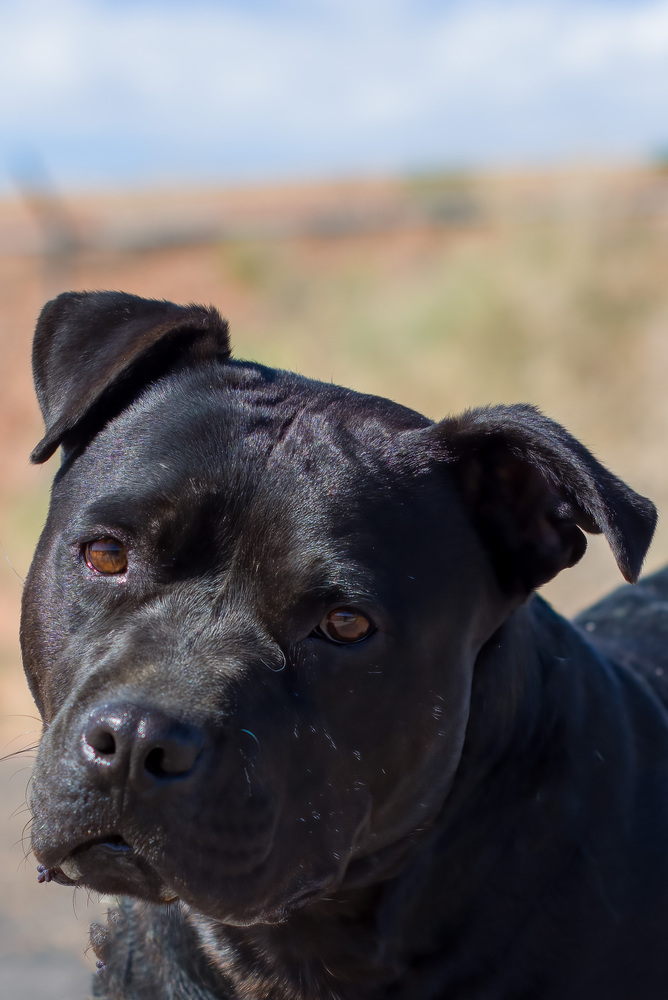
[469,804]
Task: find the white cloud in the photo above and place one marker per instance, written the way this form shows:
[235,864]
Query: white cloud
[103,88]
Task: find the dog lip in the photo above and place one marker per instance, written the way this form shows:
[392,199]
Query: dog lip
[112,844]
[108,864]
[54,856]
[107,847]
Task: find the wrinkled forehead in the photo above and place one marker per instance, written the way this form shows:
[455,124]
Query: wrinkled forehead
[243,446]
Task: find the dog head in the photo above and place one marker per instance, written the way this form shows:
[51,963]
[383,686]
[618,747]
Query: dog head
[253,616]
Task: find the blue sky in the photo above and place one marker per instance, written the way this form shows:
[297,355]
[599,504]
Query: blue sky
[168,91]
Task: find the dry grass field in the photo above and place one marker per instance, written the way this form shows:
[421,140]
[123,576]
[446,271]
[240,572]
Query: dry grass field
[441,292]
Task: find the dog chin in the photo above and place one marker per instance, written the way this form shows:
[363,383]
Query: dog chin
[257,898]
[264,912]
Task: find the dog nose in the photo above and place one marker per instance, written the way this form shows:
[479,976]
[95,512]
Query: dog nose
[130,744]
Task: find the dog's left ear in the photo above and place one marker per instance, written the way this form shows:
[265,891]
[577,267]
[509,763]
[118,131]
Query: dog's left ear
[532,490]
[94,351]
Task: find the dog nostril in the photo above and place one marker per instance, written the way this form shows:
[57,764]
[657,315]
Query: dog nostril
[154,762]
[172,757]
[101,739]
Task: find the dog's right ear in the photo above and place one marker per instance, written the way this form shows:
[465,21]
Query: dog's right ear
[94,351]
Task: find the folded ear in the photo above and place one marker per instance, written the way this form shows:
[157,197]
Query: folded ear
[532,490]
[94,351]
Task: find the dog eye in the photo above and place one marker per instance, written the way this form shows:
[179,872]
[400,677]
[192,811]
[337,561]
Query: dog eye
[106,555]
[345,625]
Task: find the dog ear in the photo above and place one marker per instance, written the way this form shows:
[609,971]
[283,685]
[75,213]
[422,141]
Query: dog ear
[533,489]
[94,351]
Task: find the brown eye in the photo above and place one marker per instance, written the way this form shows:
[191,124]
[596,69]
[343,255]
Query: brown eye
[345,625]
[106,555]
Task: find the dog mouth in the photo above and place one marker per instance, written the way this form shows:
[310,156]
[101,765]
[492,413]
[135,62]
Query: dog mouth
[111,865]
[108,865]
[114,845]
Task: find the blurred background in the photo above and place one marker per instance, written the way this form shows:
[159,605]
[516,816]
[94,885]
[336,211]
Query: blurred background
[442,201]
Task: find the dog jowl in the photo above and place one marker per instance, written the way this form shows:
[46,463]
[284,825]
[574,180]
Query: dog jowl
[299,701]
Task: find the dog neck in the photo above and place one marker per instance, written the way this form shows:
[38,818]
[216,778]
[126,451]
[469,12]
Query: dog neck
[531,699]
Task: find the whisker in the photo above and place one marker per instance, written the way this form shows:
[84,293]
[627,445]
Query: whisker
[19,736]
[27,859]
[20,770]
[23,807]
[27,850]
[17,753]
[10,564]
[20,843]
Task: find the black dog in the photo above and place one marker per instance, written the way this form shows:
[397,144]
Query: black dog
[299,701]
